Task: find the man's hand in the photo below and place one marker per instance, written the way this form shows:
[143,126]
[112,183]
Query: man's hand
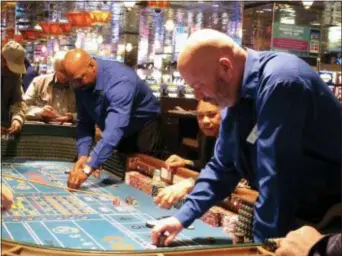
[6,198]
[175,161]
[172,194]
[76,178]
[77,175]
[170,225]
[4,130]
[15,127]
[298,242]
[48,112]
[67,118]
[97,173]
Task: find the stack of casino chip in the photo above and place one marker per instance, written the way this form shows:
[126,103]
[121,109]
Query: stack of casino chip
[229,224]
[157,183]
[245,222]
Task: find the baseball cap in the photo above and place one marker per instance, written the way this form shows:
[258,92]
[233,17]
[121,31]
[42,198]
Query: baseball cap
[14,54]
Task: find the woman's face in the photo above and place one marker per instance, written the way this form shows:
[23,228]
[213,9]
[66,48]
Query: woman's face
[209,118]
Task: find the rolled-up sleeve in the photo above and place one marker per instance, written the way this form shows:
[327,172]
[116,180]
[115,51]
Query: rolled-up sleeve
[217,180]
[120,98]
[281,116]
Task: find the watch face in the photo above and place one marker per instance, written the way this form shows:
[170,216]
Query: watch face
[87,169]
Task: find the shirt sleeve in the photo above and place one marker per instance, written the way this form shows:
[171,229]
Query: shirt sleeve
[18,108]
[85,127]
[120,97]
[30,97]
[217,180]
[281,110]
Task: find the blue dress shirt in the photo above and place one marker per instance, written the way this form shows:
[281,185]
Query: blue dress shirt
[120,103]
[295,156]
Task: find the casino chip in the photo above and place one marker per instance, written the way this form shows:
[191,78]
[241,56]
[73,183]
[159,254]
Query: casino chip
[131,201]
[151,223]
[116,201]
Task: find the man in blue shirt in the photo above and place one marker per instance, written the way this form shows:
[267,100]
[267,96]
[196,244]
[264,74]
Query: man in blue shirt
[113,97]
[281,130]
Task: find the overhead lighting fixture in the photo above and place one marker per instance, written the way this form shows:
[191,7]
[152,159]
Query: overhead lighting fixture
[307,4]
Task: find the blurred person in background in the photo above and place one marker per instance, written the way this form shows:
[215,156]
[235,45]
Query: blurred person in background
[12,104]
[30,74]
[49,97]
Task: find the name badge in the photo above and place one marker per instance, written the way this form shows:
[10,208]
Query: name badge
[253,136]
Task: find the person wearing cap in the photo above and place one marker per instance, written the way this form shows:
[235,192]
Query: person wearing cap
[49,98]
[12,104]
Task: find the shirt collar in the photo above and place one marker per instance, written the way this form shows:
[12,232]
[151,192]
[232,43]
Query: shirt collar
[56,84]
[99,76]
[250,82]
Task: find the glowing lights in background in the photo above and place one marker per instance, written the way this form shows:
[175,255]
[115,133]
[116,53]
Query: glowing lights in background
[169,25]
[307,4]
[129,47]
[129,4]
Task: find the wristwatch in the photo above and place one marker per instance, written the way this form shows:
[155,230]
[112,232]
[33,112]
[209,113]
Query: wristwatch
[87,170]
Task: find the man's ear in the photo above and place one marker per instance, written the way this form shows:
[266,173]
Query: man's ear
[225,68]
[225,64]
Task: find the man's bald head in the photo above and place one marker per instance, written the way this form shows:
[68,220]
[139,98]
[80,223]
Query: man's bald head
[205,43]
[212,64]
[80,67]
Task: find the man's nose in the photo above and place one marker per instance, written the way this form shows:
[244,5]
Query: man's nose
[206,120]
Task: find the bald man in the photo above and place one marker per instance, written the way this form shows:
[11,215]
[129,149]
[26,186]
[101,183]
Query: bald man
[112,96]
[280,129]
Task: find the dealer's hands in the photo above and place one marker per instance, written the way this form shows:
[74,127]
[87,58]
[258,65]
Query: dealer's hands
[77,176]
[6,198]
[172,194]
[298,242]
[170,225]
[175,161]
